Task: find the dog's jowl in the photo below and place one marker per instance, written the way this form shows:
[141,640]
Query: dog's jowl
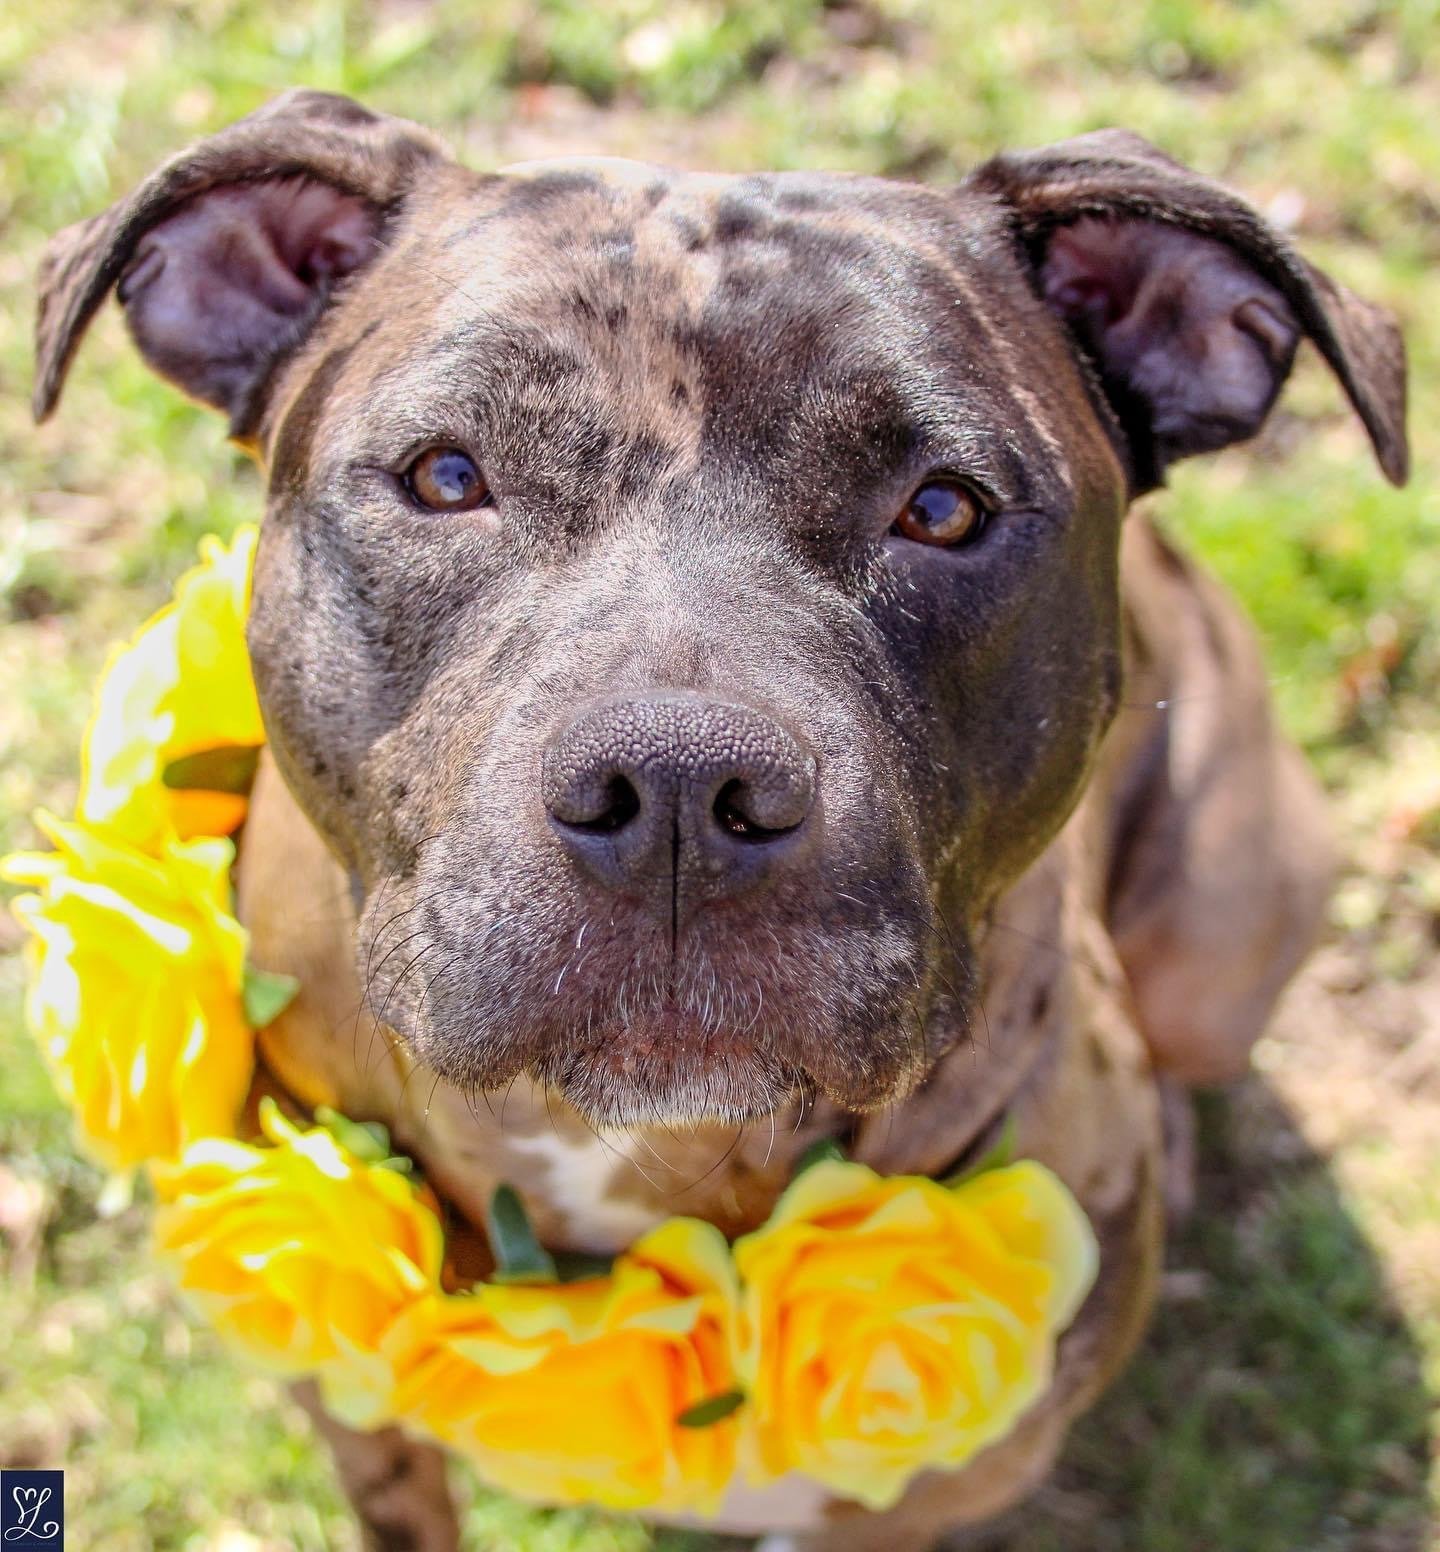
[705,658]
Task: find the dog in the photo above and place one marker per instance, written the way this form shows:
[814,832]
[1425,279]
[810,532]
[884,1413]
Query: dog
[715,698]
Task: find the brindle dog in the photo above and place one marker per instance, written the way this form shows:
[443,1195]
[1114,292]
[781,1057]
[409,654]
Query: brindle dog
[713,697]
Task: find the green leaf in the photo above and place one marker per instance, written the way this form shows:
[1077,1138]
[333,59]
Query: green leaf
[367,1140]
[712,1410]
[820,1152]
[519,1256]
[229,769]
[574,1266]
[265,994]
[1000,1153]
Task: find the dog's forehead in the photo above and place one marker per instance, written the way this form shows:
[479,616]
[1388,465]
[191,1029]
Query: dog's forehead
[626,189]
[518,238]
[630,266]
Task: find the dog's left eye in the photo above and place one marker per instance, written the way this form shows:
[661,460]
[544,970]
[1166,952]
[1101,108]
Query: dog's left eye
[945,512]
[447,480]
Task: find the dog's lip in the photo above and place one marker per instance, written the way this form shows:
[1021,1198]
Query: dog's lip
[668,1037]
[666,1067]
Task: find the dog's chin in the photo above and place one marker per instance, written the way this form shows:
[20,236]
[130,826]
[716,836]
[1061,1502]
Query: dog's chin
[666,1067]
[665,1074]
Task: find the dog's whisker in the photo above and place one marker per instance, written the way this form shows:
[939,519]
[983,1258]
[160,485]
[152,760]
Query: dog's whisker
[365,978]
[399,980]
[504,1103]
[618,1156]
[649,1147]
[719,1163]
[391,875]
[1060,952]
[411,1070]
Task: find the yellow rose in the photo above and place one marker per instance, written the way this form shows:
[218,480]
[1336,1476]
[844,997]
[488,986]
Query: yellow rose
[180,687]
[895,1324]
[136,969]
[573,1393]
[301,1254]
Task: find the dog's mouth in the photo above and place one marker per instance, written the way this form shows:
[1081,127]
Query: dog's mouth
[634,1054]
[669,1069]
[828,999]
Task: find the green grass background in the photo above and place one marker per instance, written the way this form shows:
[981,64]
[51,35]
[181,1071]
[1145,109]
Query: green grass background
[1286,1399]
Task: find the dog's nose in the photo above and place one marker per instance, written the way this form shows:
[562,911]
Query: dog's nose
[679,796]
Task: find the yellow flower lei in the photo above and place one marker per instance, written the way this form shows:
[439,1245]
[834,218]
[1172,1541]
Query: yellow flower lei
[871,1328]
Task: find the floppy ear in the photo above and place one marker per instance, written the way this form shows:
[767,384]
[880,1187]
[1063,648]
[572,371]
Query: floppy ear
[226,255]
[1187,302]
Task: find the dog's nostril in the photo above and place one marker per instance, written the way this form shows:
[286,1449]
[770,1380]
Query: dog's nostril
[677,798]
[731,812]
[621,805]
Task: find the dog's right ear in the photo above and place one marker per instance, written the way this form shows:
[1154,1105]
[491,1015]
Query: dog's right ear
[225,257]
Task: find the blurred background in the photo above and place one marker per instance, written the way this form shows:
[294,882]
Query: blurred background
[1286,1399]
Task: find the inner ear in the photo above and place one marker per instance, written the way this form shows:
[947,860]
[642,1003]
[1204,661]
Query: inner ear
[1192,346]
[215,293]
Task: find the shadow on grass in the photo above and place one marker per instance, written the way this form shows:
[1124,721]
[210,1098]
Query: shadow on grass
[1279,1403]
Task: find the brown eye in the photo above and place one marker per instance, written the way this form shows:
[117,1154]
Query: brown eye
[942,512]
[446,480]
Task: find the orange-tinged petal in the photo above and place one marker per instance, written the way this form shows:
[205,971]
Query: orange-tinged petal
[573,1393]
[894,1324]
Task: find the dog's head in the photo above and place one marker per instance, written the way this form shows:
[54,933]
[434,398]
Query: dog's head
[685,601]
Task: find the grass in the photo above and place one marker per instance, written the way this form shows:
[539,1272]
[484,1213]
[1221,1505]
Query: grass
[1286,1399]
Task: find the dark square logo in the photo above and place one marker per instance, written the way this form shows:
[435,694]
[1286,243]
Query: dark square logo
[32,1511]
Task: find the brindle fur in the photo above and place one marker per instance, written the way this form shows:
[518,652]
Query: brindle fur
[1061,848]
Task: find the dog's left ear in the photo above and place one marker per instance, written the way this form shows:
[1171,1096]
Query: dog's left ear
[1188,303]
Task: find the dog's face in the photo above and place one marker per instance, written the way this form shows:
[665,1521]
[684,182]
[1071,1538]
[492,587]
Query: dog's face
[684,602]
[651,732]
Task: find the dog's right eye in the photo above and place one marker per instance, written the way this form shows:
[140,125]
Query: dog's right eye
[447,480]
